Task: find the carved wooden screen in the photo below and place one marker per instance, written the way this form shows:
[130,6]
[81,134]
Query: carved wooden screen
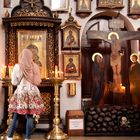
[32,23]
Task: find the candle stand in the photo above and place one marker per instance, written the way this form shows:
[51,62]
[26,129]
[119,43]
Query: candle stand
[56,133]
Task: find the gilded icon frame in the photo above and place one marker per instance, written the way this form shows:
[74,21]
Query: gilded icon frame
[83,8]
[37,38]
[71,71]
[134,8]
[83,5]
[70,42]
[109,4]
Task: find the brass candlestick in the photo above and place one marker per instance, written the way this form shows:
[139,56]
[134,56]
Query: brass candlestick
[56,133]
[3,136]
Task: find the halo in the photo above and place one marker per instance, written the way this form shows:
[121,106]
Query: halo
[93,56]
[133,55]
[113,33]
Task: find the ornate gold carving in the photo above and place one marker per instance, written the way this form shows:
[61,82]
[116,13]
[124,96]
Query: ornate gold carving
[12,51]
[26,12]
[31,8]
[32,23]
[32,3]
[51,53]
[110,4]
[7,14]
[70,22]
[47,102]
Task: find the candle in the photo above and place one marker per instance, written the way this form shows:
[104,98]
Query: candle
[69,10]
[62,75]
[122,88]
[56,71]
[3,71]
[10,69]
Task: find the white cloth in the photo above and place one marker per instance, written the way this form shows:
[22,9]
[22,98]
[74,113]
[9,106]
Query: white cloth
[20,81]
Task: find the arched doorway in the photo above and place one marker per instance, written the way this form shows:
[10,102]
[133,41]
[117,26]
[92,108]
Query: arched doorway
[100,22]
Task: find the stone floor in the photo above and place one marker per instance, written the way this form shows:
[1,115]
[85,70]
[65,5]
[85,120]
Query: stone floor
[41,137]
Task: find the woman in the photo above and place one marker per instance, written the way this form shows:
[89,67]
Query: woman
[134,79]
[26,99]
[98,71]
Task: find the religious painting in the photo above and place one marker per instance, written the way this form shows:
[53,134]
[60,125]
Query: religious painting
[70,32]
[98,76]
[83,8]
[70,38]
[134,7]
[7,3]
[110,4]
[134,78]
[36,42]
[60,5]
[71,65]
[83,5]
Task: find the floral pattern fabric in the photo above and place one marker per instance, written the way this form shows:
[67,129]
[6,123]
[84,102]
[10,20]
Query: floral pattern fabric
[26,100]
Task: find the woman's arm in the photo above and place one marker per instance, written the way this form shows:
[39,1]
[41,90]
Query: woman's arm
[16,75]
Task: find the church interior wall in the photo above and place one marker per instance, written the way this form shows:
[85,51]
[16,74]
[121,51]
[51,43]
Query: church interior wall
[66,103]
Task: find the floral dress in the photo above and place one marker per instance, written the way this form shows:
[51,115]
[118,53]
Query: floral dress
[26,98]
